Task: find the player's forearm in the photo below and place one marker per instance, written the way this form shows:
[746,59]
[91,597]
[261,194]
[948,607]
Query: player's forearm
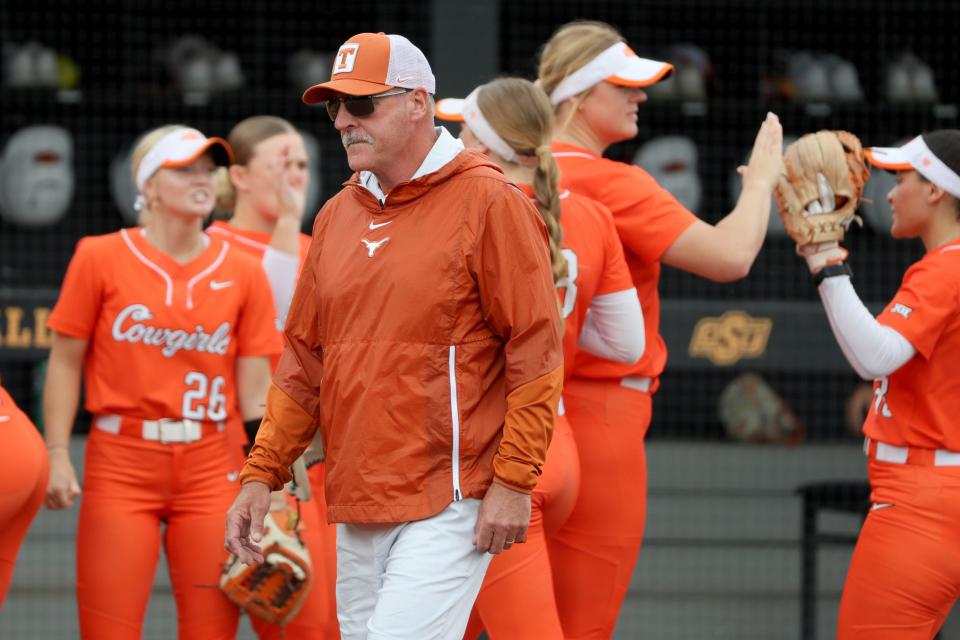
[527,430]
[253,380]
[744,228]
[61,390]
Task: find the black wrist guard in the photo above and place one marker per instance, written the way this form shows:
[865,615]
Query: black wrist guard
[831,270]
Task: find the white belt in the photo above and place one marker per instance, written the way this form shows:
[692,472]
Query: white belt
[898,455]
[637,383]
[171,430]
[163,431]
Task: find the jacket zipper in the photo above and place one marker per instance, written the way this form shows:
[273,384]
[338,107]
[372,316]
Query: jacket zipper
[455,421]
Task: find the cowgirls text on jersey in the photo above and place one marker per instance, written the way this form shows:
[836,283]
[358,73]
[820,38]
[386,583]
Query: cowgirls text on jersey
[172,340]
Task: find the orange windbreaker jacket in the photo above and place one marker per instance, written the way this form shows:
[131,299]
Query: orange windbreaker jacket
[424,342]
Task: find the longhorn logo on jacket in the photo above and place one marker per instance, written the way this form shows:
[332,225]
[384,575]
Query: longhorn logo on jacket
[373,246]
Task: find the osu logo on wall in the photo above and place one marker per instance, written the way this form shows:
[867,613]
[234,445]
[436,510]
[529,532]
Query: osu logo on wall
[731,337]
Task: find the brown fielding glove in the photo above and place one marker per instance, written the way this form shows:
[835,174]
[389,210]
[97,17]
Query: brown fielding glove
[272,591]
[821,186]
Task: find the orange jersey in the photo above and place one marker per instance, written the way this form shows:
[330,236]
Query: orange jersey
[595,263]
[648,220]
[253,242]
[163,337]
[917,404]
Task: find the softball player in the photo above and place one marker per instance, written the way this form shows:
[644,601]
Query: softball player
[905,574]
[172,330]
[510,120]
[264,189]
[594,81]
[23,483]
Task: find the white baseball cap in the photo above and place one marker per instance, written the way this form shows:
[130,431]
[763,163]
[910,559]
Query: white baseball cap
[934,155]
[178,149]
[617,64]
[372,63]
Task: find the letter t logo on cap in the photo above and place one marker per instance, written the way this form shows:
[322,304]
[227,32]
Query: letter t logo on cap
[346,57]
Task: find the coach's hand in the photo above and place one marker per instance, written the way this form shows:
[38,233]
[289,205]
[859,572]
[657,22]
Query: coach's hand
[245,522]
[503,519]
[63,486]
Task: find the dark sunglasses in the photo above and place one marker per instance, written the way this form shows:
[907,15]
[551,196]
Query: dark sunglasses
[358,106]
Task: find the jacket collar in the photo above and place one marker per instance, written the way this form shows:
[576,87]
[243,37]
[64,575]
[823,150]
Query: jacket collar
[455,161]
[445,149]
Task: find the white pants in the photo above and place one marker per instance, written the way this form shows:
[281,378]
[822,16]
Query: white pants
[410,581]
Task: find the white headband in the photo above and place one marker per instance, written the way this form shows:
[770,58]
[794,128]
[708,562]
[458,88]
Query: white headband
[619,64]
[474,119]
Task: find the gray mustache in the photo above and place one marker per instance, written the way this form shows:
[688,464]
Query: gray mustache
[352,137]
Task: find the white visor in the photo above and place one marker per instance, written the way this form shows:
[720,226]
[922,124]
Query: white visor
[467,111]
[450,109]
[619,65]
[917,156]
[178,149]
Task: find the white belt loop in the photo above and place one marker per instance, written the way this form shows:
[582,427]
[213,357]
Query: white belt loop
[151,430]
[946,458]
[110,424]
[891,453]
[637,383]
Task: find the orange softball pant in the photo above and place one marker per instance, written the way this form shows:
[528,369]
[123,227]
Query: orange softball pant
[594,553]
[317,618]
[137,495]
[905,574]
[516,601]
[24,473]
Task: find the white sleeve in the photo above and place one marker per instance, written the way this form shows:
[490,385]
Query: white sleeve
[874,350]
[281,271]
[613,328]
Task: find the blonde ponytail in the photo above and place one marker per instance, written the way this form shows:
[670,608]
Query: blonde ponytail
[546,187]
